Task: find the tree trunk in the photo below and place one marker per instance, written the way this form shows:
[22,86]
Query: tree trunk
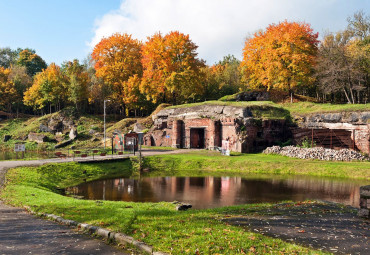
[353,98]
[345,93]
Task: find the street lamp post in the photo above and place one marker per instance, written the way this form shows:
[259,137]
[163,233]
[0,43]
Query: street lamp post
[104,122]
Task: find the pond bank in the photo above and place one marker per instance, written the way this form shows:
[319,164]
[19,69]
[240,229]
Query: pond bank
[159,224]
[213,162]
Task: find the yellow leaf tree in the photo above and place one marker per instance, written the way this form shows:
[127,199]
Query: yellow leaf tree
[48,88]
[7,90]
[281,57]
[117,58]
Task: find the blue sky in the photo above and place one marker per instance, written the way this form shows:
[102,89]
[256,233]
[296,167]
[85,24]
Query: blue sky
[58,30]
[62,30]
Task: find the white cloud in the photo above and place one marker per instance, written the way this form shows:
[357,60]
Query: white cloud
[219,27]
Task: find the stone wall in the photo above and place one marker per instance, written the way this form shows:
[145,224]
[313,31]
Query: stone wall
[246,133]
[177,128]
[356,123]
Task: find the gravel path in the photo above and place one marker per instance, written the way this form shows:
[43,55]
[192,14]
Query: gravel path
[322,226]
[22,233]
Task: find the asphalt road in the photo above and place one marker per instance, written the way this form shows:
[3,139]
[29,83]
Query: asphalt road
[22,233]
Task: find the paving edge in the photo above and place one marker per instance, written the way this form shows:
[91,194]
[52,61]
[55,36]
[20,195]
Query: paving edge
[102,232]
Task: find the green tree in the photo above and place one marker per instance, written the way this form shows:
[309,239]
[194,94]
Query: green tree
[8,56]
[33,62]
[22,81]
[77,82]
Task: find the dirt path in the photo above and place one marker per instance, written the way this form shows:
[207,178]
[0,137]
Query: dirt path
[22,233]
[323,226]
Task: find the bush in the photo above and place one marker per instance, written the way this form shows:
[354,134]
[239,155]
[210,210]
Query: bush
[307,143]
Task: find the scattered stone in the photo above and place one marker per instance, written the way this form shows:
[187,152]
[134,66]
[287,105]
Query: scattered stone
[7,138]
[39,138]
[316,153]
[183,207]
[364,213]
[123,239]
[103,232]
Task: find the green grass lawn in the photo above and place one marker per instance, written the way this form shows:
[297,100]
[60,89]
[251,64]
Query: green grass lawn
[299,108]
[304,108]
[157,224]
[239,164]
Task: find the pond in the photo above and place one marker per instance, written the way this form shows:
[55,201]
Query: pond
[211,192]
[8,155]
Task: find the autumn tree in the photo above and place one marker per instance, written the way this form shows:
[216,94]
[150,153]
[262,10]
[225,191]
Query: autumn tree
[117,58]
[172,71]
[33,62]
[7,90]
[281,57]
[48,88]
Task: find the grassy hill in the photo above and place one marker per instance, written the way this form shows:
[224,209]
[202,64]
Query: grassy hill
[90,127]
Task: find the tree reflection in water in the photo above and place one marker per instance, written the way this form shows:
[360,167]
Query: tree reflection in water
[209,192]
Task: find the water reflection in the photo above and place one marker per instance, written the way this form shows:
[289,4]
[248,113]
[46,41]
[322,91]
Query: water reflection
[8,155]
[208,192]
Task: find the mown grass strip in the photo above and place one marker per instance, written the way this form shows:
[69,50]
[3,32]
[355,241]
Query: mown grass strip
[212,162]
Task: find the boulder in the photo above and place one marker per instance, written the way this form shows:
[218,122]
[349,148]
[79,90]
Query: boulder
[183,207]
[7,138]
[253,96]
[55,125]
[39,138]
[44,128]
[73,134]
[139,127]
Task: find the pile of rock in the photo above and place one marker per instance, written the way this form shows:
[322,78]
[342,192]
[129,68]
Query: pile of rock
[316,153]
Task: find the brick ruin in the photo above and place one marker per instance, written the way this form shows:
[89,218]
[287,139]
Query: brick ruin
[206,126]
[335,130]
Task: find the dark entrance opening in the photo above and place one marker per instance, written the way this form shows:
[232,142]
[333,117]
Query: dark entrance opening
[197,138]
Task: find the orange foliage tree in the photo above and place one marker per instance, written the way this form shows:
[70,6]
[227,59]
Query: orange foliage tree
[281,57]
[171,68]
[117,58]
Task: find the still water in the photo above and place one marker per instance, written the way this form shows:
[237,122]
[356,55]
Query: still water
[210,192]
[8,155]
